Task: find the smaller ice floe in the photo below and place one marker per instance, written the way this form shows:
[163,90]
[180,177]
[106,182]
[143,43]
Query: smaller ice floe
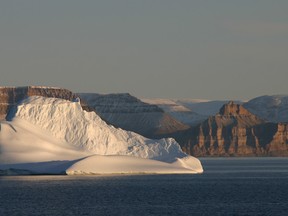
[120,164]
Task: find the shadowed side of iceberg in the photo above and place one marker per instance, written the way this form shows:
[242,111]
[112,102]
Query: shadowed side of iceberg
[38,168]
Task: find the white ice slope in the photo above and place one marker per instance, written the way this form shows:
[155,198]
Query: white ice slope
[69,124]
[23,142]
[181,110]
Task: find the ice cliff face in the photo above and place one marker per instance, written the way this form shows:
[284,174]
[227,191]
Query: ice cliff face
[68,122]
[130,113]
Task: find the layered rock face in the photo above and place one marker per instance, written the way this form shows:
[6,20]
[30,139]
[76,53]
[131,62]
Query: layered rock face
[130,113]
[11,96]
[236,132]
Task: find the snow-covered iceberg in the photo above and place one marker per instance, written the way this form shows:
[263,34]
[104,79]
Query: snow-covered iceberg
[50,135]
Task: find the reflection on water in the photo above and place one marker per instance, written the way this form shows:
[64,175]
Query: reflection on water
[229,186]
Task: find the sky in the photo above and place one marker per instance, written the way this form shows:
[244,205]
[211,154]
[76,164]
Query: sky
[224,49]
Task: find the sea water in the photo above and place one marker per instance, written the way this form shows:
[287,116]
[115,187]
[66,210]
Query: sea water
[228,186]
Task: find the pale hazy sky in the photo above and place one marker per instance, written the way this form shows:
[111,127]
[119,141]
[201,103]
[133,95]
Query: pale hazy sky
[233,49]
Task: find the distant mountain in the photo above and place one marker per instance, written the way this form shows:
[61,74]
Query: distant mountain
[235,131]
[130,113]
[272,108]
[204,107]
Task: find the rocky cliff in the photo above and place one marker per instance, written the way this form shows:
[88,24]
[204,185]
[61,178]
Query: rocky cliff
[11,96]
[279,145]
[130,113]
[234,131]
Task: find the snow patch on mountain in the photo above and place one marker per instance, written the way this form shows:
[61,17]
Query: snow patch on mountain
[178,110]
[205,108]
[189,111]
[272,108]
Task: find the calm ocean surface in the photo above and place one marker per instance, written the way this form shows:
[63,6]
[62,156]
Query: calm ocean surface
[231,186]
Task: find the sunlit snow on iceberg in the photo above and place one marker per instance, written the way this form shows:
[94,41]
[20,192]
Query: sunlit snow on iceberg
[55,136]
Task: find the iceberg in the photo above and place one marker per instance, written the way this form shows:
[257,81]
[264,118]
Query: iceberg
[56,136]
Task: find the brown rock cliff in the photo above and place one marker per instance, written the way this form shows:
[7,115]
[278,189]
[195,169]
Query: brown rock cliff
[279,145]
[236,132]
